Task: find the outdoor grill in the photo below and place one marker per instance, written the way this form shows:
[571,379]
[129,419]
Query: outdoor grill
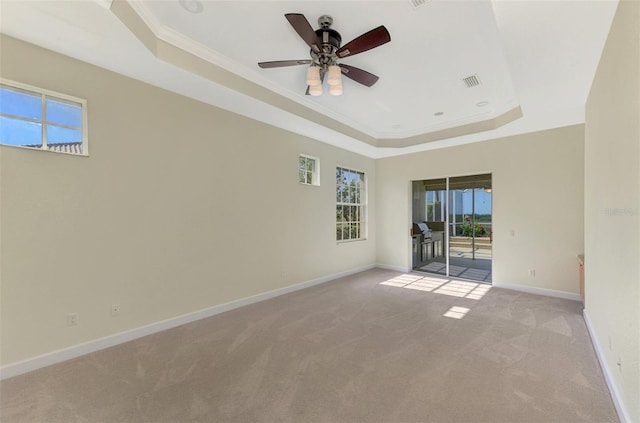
[421,229]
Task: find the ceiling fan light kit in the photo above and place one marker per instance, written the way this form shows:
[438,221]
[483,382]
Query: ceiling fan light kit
[315,90]
[313,76]
[326,51]
[334,75]
[335,90]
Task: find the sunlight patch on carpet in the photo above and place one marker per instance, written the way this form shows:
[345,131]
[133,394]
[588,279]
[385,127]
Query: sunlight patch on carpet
[456,312]
[453,288]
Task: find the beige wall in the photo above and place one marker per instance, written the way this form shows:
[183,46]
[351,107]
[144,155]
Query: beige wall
[180,206]
[612,205]
[537,194]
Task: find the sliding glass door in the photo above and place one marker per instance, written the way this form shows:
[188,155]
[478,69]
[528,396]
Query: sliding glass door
[470,224]
[452,226]
[429,225]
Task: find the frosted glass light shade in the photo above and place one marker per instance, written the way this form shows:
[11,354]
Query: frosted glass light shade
[335,89]
[313,76]
[334,75]
[315,90]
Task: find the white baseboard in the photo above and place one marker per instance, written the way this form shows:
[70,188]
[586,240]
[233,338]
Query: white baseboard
[393,267]
[615,395]
[539,291]
[30,364]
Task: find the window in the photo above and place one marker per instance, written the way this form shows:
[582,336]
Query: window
[35,118]
[309,170]
[350,202]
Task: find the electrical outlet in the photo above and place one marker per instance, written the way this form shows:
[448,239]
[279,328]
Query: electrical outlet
[72,319]
[532,273]
[115,309]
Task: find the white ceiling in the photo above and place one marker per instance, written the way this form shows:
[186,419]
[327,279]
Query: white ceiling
[539,55]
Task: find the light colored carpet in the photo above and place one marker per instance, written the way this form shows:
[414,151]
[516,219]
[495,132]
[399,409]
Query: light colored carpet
[378,346]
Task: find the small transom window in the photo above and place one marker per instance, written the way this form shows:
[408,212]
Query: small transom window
[31,117]
[309,170]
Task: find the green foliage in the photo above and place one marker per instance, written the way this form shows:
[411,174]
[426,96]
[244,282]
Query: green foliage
[483,218]
[467,230]
[345,231]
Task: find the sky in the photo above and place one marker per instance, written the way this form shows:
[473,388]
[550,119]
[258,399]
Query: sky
[482,201]
[21,116]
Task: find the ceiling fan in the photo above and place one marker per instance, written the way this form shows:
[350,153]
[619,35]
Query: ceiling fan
[326,51]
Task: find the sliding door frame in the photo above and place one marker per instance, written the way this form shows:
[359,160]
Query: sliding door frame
[447,205]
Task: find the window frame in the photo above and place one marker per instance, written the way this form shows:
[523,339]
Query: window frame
[363,209]
[315,174]
[45,95]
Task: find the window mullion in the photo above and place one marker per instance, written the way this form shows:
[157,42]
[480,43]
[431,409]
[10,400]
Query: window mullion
[60,125]
[44,122]
[24,118]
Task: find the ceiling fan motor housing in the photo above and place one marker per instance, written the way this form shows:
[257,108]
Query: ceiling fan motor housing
[331,40]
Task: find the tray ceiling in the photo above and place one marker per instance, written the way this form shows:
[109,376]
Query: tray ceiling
[534,62]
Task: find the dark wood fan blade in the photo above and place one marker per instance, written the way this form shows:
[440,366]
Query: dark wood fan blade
[372,39]
[358,75]
[283,63]
[304,30]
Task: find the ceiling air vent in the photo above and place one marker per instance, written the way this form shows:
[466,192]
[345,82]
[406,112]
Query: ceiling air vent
[417,3]
[471,81]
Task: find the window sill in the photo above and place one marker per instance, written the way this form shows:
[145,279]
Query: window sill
[347,241]
[20,147]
